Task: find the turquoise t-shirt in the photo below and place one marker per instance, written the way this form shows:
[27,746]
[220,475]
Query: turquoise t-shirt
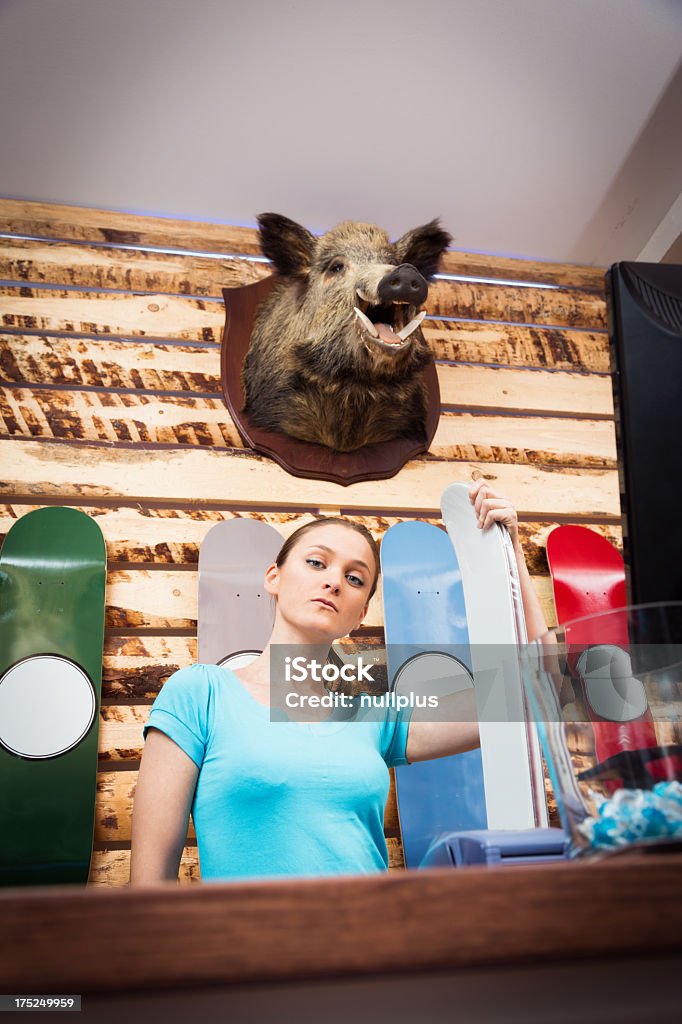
[280,798]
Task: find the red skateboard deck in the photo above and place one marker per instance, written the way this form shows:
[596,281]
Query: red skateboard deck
[588,575]
[589,578]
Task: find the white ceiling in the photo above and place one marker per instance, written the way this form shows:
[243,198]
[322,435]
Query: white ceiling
[542,128]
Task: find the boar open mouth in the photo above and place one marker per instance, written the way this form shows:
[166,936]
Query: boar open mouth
[389,325]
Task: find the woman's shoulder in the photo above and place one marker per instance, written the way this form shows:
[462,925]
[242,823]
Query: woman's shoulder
[197,676]
[185,706]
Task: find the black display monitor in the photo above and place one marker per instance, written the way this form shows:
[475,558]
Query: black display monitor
[645,330]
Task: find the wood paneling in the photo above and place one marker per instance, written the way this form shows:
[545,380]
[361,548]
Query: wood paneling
[114,806]
[514,345]
[202,476]
[120,731]
[540,440]
[112,867]
[195,366]
[117,418]
[152,273]
[531,390]
[161,315]
[169,600]
[149,367]
[139,535]
[50,220]
[63,412]
[129,270]
[125,419]
[89,266]
[110,355]
[153,315]
[107,226]
[95,362]
[132,533]
[136,667]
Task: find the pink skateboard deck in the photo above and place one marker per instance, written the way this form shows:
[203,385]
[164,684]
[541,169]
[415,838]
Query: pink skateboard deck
[236,614]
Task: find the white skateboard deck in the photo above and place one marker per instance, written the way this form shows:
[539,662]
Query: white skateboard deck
[514,791]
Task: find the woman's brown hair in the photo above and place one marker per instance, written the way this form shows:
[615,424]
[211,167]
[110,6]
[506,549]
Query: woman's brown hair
[307,527]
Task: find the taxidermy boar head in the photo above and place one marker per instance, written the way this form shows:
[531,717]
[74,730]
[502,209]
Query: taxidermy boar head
[337,353]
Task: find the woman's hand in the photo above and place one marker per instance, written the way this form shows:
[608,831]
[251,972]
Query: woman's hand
[491,508]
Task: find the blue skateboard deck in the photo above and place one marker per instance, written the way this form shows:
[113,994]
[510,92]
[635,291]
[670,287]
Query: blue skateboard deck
[52,583]
[235,613]
[427,640]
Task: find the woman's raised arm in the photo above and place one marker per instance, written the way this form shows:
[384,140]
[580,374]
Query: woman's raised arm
[491,508]
[458,731]
[163,798]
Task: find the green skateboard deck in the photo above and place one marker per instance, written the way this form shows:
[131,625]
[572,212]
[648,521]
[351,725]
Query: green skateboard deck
[52,580]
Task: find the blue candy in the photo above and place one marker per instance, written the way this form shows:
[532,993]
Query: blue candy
[633,815]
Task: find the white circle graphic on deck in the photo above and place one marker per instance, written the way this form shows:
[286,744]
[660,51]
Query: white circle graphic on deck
[47,705]
[612,690]
[239,660]
[433,674]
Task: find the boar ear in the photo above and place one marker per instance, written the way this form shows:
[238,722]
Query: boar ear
[423,247]
[286,243]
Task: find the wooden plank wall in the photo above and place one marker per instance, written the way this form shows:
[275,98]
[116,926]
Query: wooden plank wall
[111,403]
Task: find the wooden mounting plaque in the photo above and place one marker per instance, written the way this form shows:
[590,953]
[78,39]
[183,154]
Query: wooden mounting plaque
[301,458]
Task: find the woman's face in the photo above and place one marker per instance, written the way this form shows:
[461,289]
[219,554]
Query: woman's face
[323,587]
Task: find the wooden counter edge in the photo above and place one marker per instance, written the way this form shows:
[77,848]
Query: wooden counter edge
[163,937]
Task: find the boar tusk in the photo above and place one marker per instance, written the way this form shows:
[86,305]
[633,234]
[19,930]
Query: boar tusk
[412,326]
[366,323]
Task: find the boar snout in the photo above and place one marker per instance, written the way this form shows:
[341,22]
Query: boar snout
[404,284]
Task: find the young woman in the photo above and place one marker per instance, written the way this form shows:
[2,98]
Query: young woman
[274,798]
